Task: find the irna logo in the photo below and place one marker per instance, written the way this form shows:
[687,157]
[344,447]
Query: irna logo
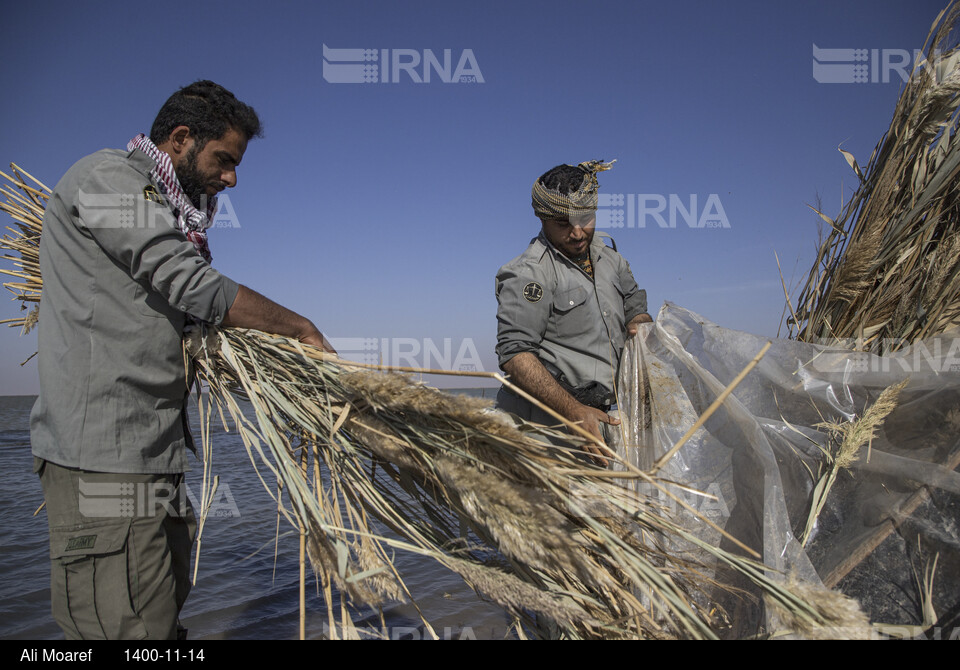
[393,66]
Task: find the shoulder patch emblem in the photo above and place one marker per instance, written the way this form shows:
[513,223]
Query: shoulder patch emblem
[533,292]
[150,192]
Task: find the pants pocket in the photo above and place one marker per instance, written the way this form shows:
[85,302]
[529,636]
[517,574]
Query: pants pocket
[91,571]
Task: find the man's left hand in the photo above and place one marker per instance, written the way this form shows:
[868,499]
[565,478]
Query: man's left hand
[634,326]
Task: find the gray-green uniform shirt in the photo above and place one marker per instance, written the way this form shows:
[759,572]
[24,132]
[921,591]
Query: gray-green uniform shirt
[548,306]
[119,280]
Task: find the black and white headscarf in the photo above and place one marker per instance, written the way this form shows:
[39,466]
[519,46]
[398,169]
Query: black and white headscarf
[193,223]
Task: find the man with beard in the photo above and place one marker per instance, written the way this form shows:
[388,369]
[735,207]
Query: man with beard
[565,307]
[126,267]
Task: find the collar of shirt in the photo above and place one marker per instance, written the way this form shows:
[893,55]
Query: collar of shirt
[597,248]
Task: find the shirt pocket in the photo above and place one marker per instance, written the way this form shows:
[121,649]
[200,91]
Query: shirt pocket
[572,313]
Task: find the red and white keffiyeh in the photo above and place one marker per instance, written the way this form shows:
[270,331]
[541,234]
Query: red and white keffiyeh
[193,223]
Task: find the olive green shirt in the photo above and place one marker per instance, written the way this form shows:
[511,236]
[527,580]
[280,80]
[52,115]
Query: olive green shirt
[119,280]
[550,307]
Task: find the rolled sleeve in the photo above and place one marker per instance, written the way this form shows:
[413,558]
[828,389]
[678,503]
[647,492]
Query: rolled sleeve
[521,320]
[143,238]
[634,297]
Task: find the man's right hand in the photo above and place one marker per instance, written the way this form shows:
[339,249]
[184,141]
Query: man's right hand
[590,418]
[252,310]
[317,339]
[528,373]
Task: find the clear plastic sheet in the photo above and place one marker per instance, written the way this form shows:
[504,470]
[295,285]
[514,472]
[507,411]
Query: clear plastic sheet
[751,469]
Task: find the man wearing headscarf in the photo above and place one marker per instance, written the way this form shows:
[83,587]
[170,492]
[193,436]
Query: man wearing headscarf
[566,305]
[126,267]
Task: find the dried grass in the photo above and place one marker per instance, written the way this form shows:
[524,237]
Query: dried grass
[887,272]
[843,444]
[26,198]
[371,464]
[847,621]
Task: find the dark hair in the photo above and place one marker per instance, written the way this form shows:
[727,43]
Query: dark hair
[564,178]
[209,110]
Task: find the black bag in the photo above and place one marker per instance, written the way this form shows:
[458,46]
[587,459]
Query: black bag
[593,394]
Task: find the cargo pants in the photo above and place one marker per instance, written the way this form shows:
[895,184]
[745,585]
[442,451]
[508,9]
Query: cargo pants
[119,552]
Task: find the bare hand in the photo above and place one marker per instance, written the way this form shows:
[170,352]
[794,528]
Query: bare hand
[590,419]
[326,346]
[634,326]
[317,339]
[252,310]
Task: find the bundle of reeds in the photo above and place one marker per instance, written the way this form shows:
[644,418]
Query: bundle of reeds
[370,462]
[888,271]
[25,205]
[530,525]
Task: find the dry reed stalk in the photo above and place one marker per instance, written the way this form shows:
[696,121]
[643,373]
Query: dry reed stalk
[25,205]
[463,467]
[303,557]
[888,272]
[398,466]
[844,442]
[847,621]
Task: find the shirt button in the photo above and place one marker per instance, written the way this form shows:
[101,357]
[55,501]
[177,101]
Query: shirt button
[571,302]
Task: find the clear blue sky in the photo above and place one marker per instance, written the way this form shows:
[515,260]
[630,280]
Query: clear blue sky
[383,210]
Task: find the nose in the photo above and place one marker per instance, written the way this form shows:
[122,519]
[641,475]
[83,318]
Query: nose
[229,177]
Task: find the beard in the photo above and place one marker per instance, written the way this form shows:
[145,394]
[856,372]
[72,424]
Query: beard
[191,181]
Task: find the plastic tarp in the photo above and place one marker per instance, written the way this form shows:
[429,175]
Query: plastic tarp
[753,466]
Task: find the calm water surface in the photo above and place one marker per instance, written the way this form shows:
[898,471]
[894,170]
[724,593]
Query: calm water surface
[247,582]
